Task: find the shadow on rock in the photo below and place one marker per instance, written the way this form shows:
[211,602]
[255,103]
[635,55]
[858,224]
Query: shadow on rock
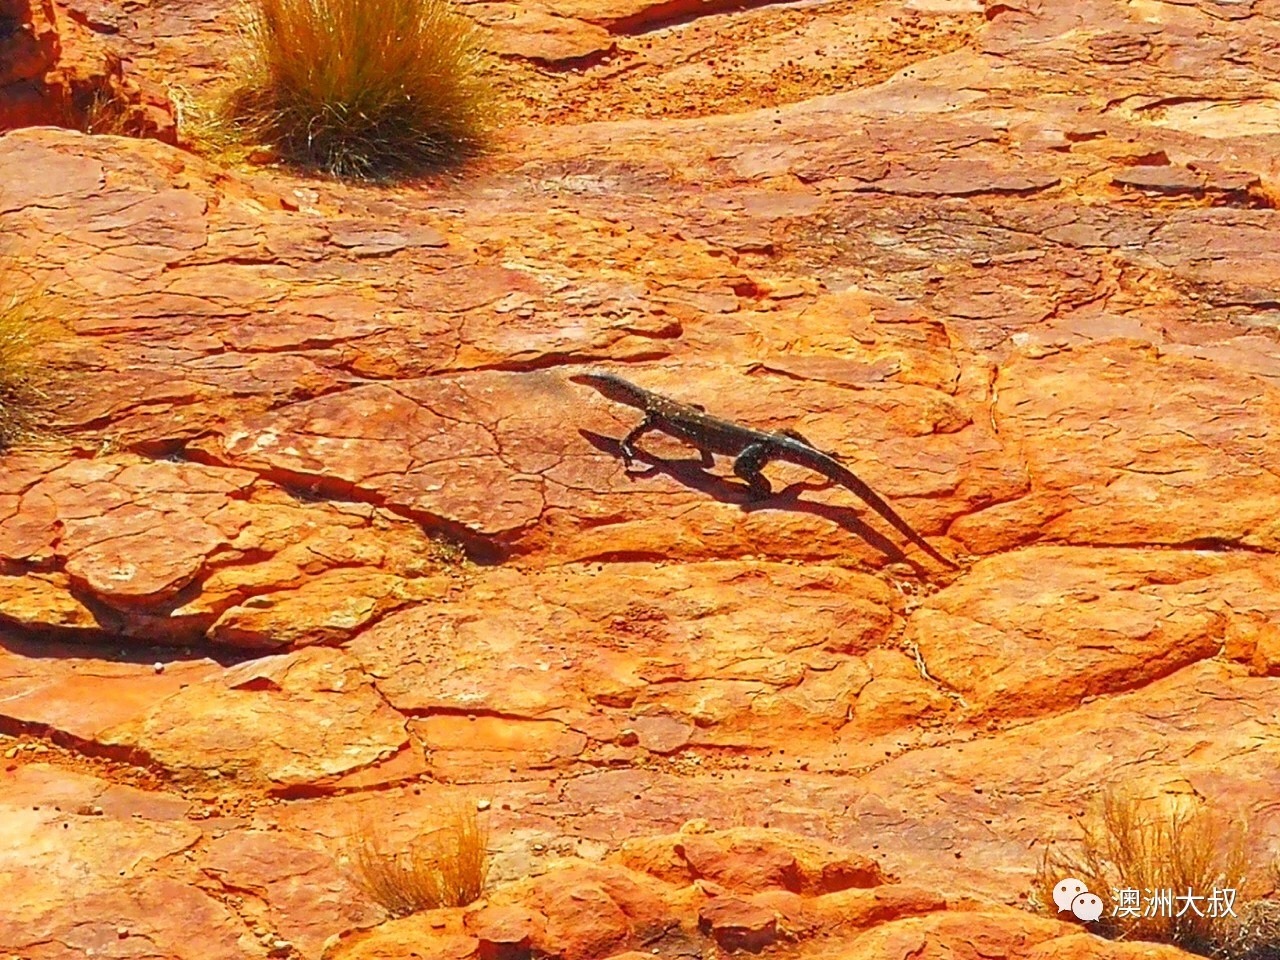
[694,474]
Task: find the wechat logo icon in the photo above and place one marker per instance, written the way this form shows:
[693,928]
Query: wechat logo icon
[1071,894]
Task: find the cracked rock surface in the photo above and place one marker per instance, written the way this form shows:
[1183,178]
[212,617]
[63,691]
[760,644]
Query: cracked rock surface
[327,538]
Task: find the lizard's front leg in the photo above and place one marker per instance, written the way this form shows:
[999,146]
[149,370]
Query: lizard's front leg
[628,443]
[748,466]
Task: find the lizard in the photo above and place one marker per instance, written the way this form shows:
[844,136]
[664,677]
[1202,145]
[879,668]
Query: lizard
[750,448]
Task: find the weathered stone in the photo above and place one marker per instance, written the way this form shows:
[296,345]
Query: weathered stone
[502,932]
[55,70]
[92,875]
[748,861]
[738,925]
[308,897]
[284,723]
[1039,630]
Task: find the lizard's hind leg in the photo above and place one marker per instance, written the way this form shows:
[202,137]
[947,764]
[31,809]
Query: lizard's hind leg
[628,444]
[748,466]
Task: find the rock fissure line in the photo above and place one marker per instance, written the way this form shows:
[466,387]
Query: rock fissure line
[127,755]
[479,548]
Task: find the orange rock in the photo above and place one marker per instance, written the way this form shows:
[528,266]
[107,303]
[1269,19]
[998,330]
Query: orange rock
[607,652]
[750,860]
[45,602]
[326,609]
[53,70]
[461,745]
[1038,630]
[404,938]
[551,39]
[309,895]
[288,723]
[180,552]
[80,697]
[1126,471]
[853,909]
[502,932]
[1256,640]
[584,922]
[1036,313]
[30,47]
[103,872]
[738,925]
[645,906]
[1004,933]
[1088,947]
[897,697]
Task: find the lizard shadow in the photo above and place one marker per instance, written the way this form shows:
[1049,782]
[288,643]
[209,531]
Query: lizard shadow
[693,473]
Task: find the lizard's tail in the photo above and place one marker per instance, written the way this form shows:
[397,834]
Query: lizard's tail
[848,479]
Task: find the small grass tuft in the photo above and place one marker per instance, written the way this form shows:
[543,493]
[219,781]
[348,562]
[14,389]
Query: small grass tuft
[362,88]
[1136,845]
[104,114]
[445,867]
[24,377]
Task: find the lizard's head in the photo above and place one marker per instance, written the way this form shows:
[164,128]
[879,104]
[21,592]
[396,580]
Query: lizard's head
[612,386]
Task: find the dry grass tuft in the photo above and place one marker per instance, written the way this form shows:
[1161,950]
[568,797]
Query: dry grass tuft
[105,115]
[1132,845]
[363,88]
[24,377]
[205,126]
[446,867]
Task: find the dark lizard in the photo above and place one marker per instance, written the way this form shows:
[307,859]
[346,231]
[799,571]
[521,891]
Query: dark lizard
[751,448]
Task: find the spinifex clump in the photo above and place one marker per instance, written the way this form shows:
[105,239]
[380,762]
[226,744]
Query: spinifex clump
[446,867]
[23,376]
[362,88]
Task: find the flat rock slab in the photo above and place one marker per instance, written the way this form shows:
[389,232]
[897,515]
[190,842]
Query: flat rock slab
[587,663]
[67,694]
[489,455]
[172,552]
[1152,443]
[292,721]
[1042,629]
[103,882]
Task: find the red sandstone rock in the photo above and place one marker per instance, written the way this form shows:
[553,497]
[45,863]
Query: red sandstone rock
[1088,947]
[292,722]
[751,860]
[738,925]
[81,698]
[851,910]
[54,70]
[1087,623]
[176,551]
[426,934]
[96,874]
[30,46]
[995,933]
[502,932]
